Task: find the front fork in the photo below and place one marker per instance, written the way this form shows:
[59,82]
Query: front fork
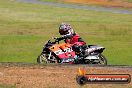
[49,56]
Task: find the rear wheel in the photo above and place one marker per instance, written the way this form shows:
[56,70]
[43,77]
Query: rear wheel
[102,60]
[96,59]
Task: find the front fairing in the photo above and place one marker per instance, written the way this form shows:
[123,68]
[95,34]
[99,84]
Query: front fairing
[47,46]
[63,51]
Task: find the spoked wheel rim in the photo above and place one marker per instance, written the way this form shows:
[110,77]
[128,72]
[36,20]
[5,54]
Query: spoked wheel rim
[42,58]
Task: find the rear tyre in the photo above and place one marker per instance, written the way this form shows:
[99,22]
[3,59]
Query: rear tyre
[102,60]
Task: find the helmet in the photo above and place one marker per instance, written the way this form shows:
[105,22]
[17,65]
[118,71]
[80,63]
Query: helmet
[65,29]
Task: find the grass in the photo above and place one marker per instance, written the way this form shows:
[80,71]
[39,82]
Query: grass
[25,27]
[6,86]
[129,1]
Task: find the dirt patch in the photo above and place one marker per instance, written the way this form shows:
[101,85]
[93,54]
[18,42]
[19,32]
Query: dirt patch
[106,3]
[56,76]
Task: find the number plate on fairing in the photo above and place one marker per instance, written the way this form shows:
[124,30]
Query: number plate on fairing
[58,52]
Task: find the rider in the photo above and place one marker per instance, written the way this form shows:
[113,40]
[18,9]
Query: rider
[71,37]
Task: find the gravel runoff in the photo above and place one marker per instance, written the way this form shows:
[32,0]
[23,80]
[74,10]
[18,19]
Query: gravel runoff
[101,9]
[26,75]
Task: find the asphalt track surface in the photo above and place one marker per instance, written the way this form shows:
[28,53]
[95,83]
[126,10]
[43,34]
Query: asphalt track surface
[73,6]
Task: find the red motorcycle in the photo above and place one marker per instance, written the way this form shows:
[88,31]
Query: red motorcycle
[55,52]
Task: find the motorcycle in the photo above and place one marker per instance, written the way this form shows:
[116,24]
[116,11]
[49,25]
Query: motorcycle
[56,52]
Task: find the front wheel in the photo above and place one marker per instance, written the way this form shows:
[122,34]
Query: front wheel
[42,58]
[46,58]
[102,60]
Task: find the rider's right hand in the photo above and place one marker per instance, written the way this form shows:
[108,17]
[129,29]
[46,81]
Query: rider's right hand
[58,38]
[55,37]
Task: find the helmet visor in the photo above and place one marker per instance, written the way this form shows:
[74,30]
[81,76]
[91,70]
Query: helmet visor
[62,32]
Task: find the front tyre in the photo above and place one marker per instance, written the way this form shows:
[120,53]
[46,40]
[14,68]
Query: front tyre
[42,58]
[102,60]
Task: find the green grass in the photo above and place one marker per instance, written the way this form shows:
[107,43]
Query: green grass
[25,27]
[128,1]
[6,86]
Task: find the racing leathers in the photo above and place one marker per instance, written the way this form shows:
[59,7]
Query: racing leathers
[78,45]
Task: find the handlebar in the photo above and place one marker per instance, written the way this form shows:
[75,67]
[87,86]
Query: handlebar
[56,40]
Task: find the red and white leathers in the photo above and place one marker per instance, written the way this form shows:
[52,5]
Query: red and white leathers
[69,35]
[74,39]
